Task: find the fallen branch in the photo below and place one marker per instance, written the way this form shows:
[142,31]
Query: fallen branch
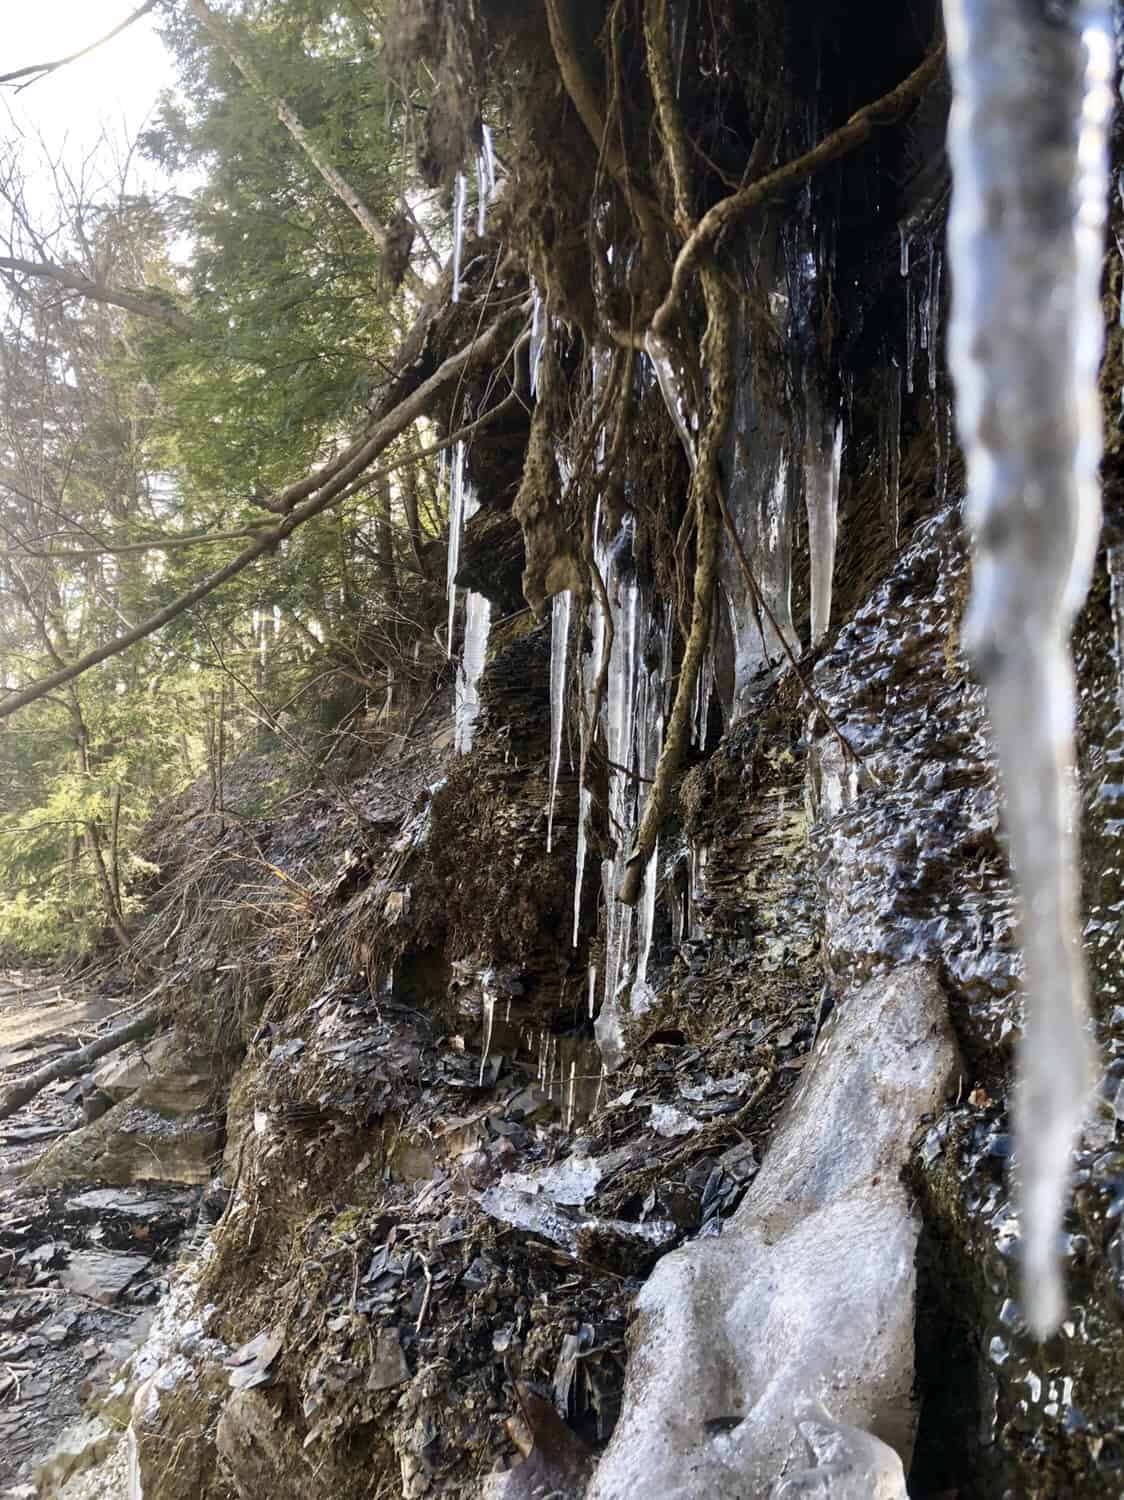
[73,1063]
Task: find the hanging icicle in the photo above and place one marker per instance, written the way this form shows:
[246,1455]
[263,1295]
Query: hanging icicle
[559,641]
[1028,144]
[485,179]
[667,361]
[822,462]
[477,623]
[538,335]
[460,201]
[456,526]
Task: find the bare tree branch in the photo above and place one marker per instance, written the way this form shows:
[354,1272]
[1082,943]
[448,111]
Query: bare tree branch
[73,1063]
[75,281]
[327,486]
[41,70]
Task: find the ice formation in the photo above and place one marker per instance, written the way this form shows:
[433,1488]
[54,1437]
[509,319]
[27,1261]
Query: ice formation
[456,527]
[538,335]
[822,462]
[463,505]
[477,621]
[668,363]
[485,179]
[460,201]
[559,641]
[1027,141]
[632,717]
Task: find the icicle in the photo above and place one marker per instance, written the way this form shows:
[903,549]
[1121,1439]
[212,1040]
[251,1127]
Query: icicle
[538,335]
[704,689]
[822,463]
[667,361]
[477,622]
[699,858]
[590,670]
[933,316]
[905,237]
[486,980]
[1027,141]
[485,179]
[456,526]
[489,152]
[892,438]
[761,496]
[764,524]
[559,640]
[620,708]
[910,338]
[592,990]
[460,200]
[650,714]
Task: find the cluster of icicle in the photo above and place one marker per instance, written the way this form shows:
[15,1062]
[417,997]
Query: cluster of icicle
[485,192]
[1028,144]
[762,492]
[463,501]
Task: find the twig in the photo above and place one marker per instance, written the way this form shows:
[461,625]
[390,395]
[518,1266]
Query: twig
[425,1299]
[41,70]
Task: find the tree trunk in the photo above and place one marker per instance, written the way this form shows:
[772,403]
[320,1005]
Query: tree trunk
[348,195]
[77,1062]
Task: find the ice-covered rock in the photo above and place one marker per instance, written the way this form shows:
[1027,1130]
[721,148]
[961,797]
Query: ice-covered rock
[809,1293]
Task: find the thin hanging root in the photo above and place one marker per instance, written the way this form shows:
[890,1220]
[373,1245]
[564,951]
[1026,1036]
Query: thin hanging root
[782,180]
[706,481]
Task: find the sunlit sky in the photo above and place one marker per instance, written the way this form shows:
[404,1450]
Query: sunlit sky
[113,89]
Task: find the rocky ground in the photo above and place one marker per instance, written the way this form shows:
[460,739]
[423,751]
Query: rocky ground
[82,1264]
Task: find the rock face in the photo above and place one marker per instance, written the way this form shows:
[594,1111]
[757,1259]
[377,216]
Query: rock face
[161,1130]
[810,1291]
[260,1451]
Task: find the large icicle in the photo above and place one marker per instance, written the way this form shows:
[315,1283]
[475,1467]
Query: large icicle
[822,462]
[456,527]
[761,494]
[559,641]
[1027,139]
[477,622]
[460,200]
[590,669]
[668,363]
[485,179]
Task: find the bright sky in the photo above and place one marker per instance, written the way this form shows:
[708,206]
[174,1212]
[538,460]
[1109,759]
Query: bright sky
[115,87]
